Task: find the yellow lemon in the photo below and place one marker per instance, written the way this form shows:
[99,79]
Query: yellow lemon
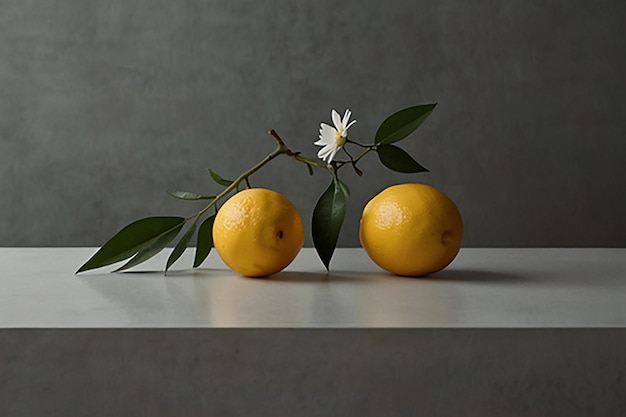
[411,229]
[258,232]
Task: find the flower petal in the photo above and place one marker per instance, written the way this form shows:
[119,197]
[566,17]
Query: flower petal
[336,119]
[327,133]
[332,154]
[324,142]
[325,152]
[346,128]
[346,118]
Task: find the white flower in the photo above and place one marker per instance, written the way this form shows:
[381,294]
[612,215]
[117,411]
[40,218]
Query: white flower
[333,138]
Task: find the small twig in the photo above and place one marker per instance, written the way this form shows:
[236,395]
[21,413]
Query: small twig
[353,162]
[357,143]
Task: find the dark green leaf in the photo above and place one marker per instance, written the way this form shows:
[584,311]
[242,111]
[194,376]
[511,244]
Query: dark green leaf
[180,246]
[188,195]
[152,249]
[131,239]
[218,179]
[398,160]
[328,217]
[205,241]
[310,169]
[402,123]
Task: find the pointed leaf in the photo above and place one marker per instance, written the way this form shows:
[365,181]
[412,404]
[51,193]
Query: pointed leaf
[398,160]
[218,179]
[328,217]
[402,123]
[205,241]
[180,246]
[188,195]
[130,240]
[152,249]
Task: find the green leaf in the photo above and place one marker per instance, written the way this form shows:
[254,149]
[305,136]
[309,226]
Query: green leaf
[131,239]
[180,246]
[152,249]
[402,123]
[205,241]
[310,169]
[398,160]
[188,195]
[218,179]
[328,217]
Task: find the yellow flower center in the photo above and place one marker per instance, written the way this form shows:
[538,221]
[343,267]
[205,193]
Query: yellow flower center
[340,140]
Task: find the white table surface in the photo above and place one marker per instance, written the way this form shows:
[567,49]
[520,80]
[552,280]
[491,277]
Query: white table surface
[481,288]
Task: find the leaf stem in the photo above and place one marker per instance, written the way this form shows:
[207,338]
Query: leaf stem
[365,152]
[357,143]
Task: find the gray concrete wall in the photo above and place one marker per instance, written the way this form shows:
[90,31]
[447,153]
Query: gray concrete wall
[104,105]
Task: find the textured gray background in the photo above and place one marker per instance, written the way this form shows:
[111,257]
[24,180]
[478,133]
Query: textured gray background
[104,105]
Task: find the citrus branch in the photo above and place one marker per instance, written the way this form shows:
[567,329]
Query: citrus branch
[281,149]
[296,155]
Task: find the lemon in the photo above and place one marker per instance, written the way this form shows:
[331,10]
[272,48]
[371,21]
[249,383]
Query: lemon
[258,232]
[411,229]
